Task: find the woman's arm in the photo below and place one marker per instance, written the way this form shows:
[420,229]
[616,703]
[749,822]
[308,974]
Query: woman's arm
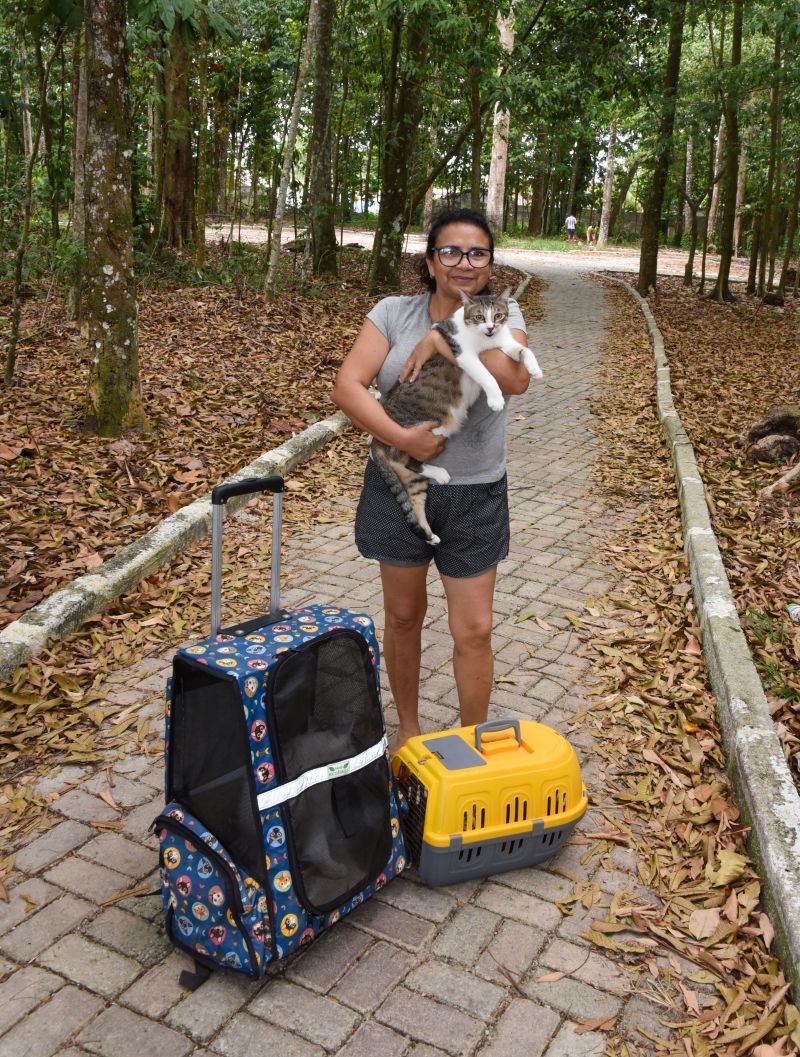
[351,394]
[512,377]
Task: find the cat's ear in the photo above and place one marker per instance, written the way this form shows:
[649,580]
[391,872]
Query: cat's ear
[466,300]
[506,293]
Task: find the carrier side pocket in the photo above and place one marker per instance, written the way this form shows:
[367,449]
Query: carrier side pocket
[211,910]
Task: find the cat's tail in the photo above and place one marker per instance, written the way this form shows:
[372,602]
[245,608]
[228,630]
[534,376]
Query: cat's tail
[408,487]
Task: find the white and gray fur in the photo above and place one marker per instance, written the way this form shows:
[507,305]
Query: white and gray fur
[444,393]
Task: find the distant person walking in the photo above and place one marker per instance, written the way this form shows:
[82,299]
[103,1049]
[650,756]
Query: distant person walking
[571,223]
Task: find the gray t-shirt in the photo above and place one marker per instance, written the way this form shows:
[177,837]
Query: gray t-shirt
[477,453]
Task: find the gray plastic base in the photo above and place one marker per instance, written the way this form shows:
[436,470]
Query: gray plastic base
[460,862]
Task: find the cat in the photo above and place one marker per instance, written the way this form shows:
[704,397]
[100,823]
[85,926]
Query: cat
[444,392]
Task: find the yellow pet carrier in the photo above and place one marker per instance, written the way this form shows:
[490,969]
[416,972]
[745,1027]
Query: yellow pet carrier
[485,799]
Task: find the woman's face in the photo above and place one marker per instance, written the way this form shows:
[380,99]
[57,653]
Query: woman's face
[462,276]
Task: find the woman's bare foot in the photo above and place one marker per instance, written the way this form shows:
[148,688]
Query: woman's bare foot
[402,736]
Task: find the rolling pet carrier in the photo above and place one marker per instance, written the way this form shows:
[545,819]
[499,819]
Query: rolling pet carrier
[281,815]
[485,799]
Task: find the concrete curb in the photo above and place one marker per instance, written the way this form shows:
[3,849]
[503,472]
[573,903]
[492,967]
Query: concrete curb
[765,791]
[65,609]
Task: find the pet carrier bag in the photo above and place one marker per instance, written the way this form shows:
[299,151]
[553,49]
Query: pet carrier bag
[485,799]
[281,815]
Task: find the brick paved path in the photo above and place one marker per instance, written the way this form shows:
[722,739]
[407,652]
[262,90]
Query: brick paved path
[415,971]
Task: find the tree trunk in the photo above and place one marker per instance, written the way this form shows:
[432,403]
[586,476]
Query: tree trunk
[477,137]
[537,191]
[27,209]
[403,110]
[24,95]
[158,153]
[651,220]
[178,184]
[75,297]
[741,182]
[202,159]
[495,191]
[433,138]
[777,209]
[711,221]
[755,248]
[767,219]
[47,142]
[271,277]
[114,400]
[619,203]
[688,181]
[323,230]
[791,231]
[605,213]
[721,291]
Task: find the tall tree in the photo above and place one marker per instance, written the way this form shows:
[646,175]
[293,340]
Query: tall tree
[608,185]
[402,108]
[177,146]
[288,150]
[323,229]
[114,400]
[721,291]
[496,189]
[651,220]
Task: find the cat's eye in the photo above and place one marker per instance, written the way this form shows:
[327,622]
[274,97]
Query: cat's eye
[477,256]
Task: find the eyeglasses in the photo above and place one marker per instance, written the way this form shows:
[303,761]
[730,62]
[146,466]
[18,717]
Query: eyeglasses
[450,256]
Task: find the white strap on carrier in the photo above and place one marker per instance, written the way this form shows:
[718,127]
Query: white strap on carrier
[280,794]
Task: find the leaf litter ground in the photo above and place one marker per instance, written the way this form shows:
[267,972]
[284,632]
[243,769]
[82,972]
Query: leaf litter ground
[701,953]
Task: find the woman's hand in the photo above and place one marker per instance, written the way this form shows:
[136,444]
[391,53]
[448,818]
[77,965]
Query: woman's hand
[429,346]
[421,442]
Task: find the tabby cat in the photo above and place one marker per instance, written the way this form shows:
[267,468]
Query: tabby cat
[444,392]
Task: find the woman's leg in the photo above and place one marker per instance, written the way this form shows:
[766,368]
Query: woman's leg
[405,602]
[469,611]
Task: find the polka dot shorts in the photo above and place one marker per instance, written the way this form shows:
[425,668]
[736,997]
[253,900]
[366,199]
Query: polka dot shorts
[470,519]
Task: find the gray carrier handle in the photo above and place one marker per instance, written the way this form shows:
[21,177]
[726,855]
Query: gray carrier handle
[219,497]
[496,724]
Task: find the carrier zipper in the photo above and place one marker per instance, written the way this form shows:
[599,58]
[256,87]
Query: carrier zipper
[230,878]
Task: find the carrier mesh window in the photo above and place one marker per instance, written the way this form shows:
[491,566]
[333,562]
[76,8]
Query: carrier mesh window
[324,708]
[210,768]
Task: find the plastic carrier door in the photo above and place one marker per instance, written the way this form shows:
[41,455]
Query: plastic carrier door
[324,710]
[210,770]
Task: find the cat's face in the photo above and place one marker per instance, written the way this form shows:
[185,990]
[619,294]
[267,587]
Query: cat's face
[488,313]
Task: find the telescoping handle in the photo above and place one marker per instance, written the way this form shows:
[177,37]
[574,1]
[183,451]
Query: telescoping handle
[219,497]
[496,724]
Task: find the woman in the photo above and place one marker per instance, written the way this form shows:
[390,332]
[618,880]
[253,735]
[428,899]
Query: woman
[471,512]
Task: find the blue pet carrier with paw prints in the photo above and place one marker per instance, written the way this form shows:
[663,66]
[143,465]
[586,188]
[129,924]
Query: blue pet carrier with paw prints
[281,812]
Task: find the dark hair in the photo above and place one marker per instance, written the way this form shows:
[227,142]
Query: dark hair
[441,220]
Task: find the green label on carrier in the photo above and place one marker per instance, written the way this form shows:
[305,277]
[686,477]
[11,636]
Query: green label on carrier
[337,769]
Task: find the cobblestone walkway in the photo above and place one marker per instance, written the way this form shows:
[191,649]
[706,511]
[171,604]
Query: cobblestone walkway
[415,972]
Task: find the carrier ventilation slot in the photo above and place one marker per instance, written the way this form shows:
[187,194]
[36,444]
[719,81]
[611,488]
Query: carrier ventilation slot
[509,847]
[517,809]
[414,824]
[466,855]
[473,817]
[553,835]
[557,802]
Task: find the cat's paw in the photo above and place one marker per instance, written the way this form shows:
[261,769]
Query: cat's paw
[440,431]
[532,367]
[437,474]
[496,403]
[434,540]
